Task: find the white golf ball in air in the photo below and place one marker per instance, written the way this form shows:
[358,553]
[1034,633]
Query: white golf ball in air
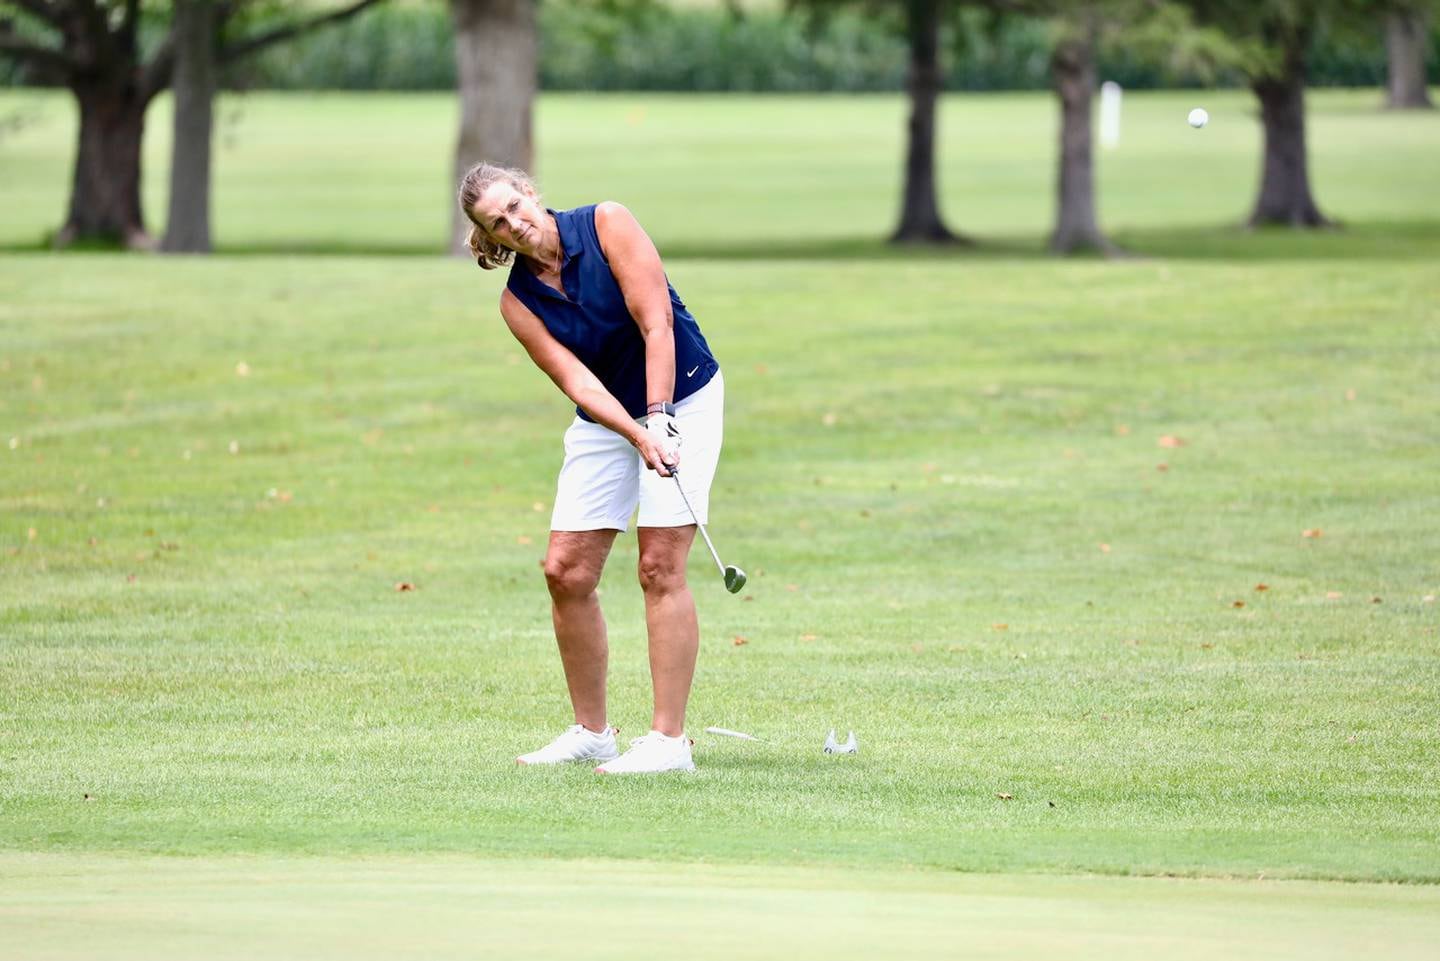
[1199,118]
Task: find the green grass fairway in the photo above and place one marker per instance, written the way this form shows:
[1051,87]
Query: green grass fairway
[961,541]
[1115,568]
[60,908]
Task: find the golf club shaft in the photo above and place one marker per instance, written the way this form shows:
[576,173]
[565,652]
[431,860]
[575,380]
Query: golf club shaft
[713,553]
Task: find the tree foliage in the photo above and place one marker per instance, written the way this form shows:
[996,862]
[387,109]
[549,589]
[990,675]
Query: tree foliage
[115,56]
[1265,33]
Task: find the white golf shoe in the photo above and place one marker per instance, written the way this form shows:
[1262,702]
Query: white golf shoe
[651,754]
[576,744]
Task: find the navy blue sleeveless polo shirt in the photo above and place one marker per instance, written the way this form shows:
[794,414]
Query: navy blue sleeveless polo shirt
[591,318]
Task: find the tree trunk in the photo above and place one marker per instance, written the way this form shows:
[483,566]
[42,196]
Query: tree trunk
[1406,40]
[105,190]
[188,227]
[920,220]
[495,53]
[1285,196]
[1072,70]
[99,54]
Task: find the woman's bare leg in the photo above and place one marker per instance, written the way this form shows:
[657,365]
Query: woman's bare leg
[670,619]
[573,564]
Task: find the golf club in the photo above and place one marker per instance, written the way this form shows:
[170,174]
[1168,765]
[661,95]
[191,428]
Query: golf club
[734,576]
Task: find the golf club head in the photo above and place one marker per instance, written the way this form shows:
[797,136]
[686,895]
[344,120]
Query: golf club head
[734,579]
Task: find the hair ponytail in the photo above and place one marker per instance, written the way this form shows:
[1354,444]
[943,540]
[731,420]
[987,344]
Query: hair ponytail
[481,248]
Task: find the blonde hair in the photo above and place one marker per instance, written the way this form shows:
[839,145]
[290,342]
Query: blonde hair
[489,254]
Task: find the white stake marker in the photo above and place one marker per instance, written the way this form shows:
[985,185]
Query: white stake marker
[1109,114]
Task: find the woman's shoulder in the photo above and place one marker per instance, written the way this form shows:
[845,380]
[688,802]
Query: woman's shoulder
[614,219]
[583,220]
[596,214]
[610,210]
[601,210]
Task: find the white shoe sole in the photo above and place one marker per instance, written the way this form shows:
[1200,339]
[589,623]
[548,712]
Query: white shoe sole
[690,768]
[579,760]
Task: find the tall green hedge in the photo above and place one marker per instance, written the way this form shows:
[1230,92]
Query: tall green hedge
[587,45]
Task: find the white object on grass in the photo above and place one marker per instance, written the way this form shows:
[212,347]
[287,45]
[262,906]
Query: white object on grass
[849,747]
[576,744]
[651,754]
[1199,118]
[725,731]
[1109,114]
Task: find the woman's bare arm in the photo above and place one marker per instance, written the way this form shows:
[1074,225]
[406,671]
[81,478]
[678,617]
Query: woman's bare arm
[573,378]
[636,265]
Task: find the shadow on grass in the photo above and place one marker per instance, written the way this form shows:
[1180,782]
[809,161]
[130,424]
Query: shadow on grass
[1375,241]
[1400,241]
[1403,241]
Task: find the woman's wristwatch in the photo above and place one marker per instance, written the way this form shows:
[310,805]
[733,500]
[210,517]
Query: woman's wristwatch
[661,407]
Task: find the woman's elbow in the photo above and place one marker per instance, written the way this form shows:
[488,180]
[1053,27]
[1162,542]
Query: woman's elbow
[658,325]
[586,395]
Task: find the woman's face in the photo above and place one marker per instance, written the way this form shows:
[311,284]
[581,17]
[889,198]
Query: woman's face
[512,217]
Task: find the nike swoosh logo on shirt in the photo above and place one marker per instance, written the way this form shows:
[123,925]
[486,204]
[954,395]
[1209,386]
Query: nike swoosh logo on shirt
[691,373]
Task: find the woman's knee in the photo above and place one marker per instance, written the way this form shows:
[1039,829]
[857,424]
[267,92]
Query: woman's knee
[661,572]
[570,578]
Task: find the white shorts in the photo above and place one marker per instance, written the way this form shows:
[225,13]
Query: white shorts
[604,479]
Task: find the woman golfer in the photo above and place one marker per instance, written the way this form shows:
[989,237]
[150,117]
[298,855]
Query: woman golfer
[588,299]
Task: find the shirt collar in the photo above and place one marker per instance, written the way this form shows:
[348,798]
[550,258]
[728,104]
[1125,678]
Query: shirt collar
[569,235]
